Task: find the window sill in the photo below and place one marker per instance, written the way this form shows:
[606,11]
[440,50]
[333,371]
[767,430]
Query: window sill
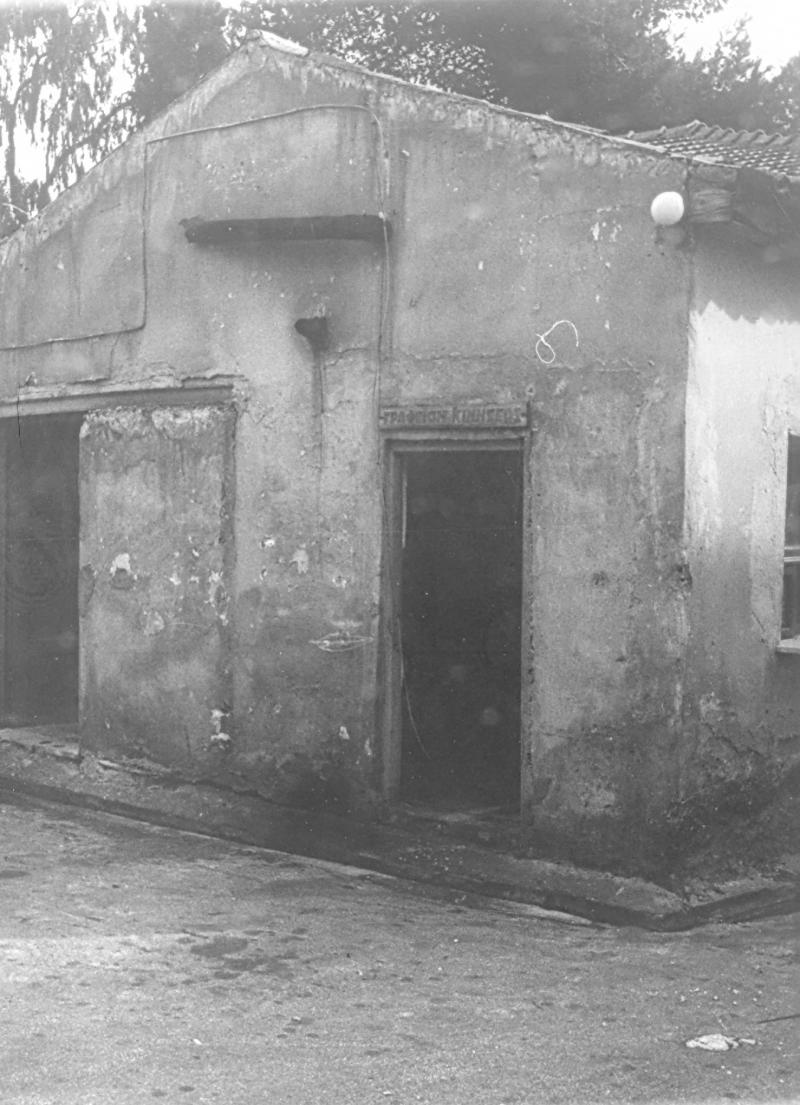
[791,646]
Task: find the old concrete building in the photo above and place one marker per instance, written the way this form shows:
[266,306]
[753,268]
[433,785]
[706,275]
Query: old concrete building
[367,444]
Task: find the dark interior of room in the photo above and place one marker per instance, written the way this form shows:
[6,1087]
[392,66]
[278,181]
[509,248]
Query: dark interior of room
[460,620]
[39,549]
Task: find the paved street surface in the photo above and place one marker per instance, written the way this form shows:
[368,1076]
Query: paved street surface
[142,964]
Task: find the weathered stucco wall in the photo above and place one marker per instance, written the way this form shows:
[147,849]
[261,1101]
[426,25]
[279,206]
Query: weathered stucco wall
[87,251]
[308,519]
[156,549]
[556,292]
[307,535]
[523,267]
[741,697]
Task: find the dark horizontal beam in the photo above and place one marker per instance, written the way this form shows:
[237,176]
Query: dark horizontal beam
[366,228]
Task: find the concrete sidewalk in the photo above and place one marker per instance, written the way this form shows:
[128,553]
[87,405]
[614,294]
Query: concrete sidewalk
[57,770]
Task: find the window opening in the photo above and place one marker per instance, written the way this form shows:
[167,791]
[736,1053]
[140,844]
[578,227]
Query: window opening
[39,554]
[461,596]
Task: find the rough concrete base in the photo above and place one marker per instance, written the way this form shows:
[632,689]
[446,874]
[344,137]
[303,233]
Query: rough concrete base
[50,765]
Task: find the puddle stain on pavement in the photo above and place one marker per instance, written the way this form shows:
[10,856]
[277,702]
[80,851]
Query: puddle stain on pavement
[221,946]
[225,948]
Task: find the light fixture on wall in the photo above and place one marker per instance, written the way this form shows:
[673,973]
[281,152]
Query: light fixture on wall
[667,209]
[668,212]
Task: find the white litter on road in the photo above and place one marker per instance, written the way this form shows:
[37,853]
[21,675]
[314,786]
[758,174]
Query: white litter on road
[715,1041]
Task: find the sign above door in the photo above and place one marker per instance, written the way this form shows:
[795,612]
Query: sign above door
[490,416]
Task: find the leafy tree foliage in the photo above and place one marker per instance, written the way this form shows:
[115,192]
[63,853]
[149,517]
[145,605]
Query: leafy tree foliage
[168,48]
[413,41]
[56,67]
[784,100]
[612,64]
[77,76]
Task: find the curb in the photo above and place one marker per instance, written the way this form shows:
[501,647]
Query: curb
[158,797]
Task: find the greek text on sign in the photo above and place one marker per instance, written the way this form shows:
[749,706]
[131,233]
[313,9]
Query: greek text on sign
[470,417]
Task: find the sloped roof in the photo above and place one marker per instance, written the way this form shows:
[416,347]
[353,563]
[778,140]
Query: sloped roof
[774,154]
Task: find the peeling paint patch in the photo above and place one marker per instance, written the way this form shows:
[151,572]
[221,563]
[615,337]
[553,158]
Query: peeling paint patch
[179,422]
[121,563]
[217,596]
[301,561]
[219,737]
[152,623]
[122,575]
[215,591]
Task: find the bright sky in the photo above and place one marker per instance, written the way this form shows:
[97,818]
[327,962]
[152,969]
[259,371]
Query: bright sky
[774,27]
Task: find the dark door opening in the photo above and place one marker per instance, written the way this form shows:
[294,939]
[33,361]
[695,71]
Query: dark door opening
[39,569]
[460,610]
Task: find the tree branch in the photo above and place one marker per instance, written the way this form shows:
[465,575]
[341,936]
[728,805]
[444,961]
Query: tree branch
[62,160]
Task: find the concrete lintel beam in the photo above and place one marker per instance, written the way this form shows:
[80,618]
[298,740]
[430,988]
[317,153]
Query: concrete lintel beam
[368,228]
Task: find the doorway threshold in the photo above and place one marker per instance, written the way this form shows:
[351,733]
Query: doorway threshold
[60,742]
[495,825]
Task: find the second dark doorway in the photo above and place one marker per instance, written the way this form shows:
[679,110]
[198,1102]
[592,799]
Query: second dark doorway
[39,537]
[461,599]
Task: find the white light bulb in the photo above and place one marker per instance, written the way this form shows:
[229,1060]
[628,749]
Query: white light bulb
[667,208]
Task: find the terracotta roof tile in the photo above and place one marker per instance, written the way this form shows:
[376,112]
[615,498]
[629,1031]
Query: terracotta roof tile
[775,154]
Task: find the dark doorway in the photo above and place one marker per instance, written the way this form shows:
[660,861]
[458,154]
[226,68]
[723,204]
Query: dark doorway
[39,569]
[460,609]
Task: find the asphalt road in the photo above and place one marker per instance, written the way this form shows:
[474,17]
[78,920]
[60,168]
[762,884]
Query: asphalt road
[141,964]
